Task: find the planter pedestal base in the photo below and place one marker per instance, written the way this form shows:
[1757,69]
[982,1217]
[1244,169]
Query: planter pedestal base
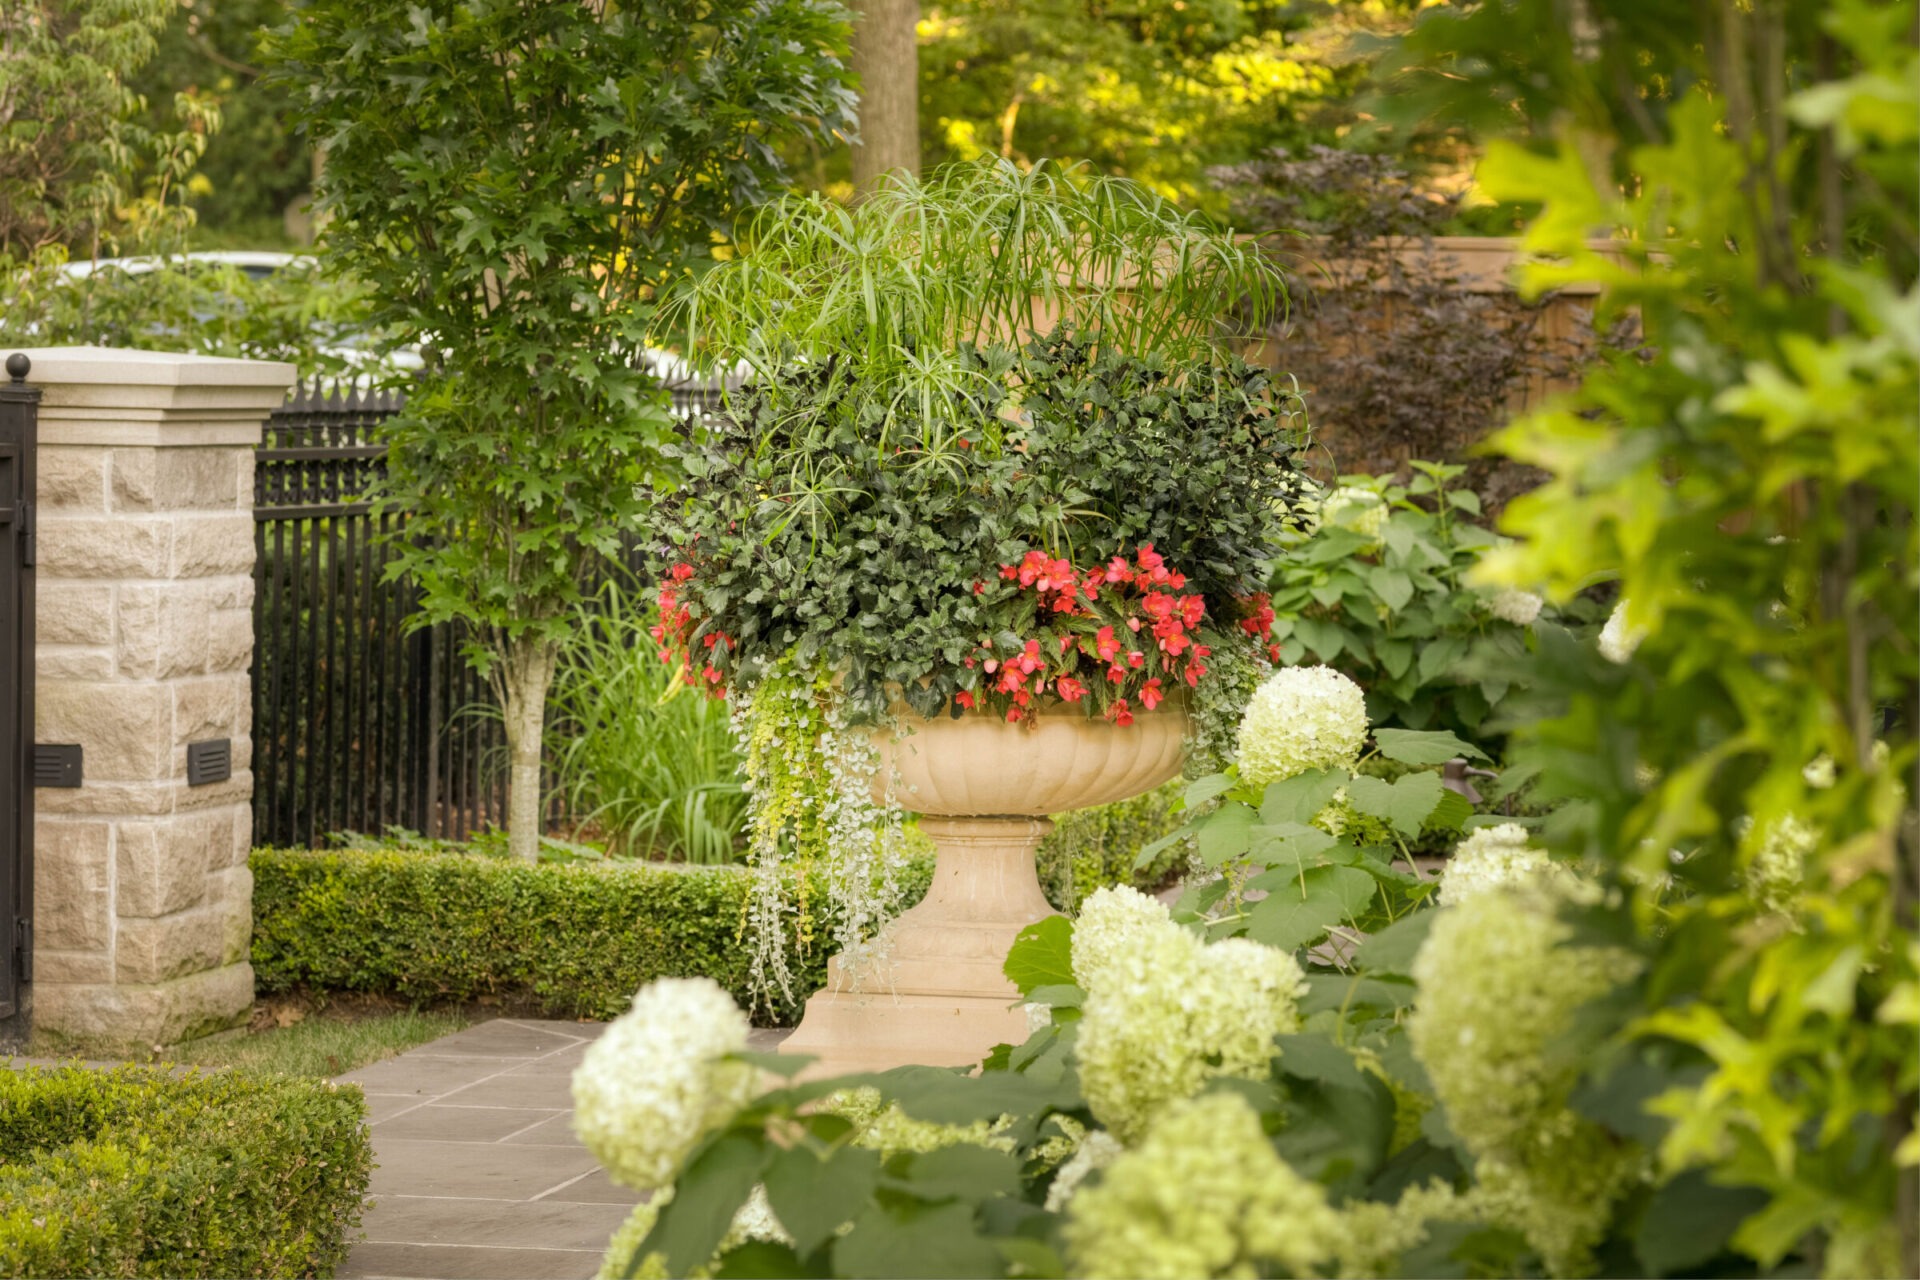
[937,997]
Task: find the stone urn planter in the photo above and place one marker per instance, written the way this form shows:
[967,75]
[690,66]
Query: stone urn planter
[983,789]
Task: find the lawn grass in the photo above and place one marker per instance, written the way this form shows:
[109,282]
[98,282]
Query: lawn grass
[293,1035]
[325,1043]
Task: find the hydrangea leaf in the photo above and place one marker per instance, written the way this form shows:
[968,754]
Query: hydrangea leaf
[814,1198]
[1406,803]
[1225,833]
[913,1240]
[1201,790]
[1290,846]
[1042,955]
[711,1190]
[1428,747]
[1289,919]
[962,1171]
[1299,798]
[762,1260]
[1392,949]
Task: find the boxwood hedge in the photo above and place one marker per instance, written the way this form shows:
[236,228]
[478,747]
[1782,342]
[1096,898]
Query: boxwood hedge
[577,938]
[142,1172]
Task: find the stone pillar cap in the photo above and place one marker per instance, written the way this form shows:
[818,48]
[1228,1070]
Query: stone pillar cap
[120,367]
[106,396]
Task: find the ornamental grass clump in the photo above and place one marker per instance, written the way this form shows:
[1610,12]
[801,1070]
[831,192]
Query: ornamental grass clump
[993,459]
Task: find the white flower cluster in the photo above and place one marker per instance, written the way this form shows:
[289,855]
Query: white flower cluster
[1619,638]
[1203,1195]
[1499,984]
[1165,1012]
[1301,718]
[652,1085]
[1097,1150]
[1492,858]
[1518,607]
[1779,865]
[1361,510]
[1820,773]
[882,1126]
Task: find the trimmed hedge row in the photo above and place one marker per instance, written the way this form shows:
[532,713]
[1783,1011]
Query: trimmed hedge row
[139,1172]
[578,938]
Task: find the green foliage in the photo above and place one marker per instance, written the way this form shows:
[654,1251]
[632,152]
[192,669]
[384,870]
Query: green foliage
[72,146]
[316,322]
[1096,848]
[1750,485]
[1154,91]
[138,1171]
[519,183]
[1321,846]
[907,283]
[804,530]
[579,938]
[1393,610]
[256,165]
[642,759]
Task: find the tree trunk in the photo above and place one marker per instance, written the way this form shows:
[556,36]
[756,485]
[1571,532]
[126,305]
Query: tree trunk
[886,57]
[526,676]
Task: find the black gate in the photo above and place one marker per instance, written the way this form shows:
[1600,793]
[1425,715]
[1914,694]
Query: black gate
[18,414]
[358,723]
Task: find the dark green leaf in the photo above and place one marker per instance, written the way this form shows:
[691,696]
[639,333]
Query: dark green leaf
[1224,834]
[813,1198]
[1690,1220]
[1393,948]
[710,1191]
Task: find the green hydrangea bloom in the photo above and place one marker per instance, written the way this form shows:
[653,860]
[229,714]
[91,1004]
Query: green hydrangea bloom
[1499,983]
[1165,1012]
[1203,1194]
[1301,718]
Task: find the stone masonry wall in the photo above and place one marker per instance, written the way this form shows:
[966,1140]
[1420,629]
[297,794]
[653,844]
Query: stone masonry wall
[142,896]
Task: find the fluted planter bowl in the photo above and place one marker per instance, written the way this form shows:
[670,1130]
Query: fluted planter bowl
[983,789]
[1061,760]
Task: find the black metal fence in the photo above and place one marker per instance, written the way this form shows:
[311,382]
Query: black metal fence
[359,724]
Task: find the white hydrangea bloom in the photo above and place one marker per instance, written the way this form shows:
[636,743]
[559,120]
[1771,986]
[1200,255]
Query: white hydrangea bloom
[1361,510]
[1492,858]
[1518,607]
[1109,919]
[1301,718]
[1779,866]
[1619,638]
[1165,1013]
[652,1085]
[1203,1195]
[1499,983]
[1097,1150]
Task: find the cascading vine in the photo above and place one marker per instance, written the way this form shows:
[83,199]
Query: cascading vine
[811,817]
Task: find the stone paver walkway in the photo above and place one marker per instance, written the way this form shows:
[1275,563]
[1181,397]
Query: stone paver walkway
[480,1176]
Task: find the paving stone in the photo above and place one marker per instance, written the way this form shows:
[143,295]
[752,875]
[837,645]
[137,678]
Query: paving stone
[502,1039]
[554,1132]
[544,1224]
[382,1105]
[597,1188]
[430,1077]
[542,1090]
[476,1170]
[467,1124]
[370,1261]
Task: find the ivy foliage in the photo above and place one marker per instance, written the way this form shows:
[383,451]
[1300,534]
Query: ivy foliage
[812,531]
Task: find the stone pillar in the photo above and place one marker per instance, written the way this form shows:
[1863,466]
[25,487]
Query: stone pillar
[142,896]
